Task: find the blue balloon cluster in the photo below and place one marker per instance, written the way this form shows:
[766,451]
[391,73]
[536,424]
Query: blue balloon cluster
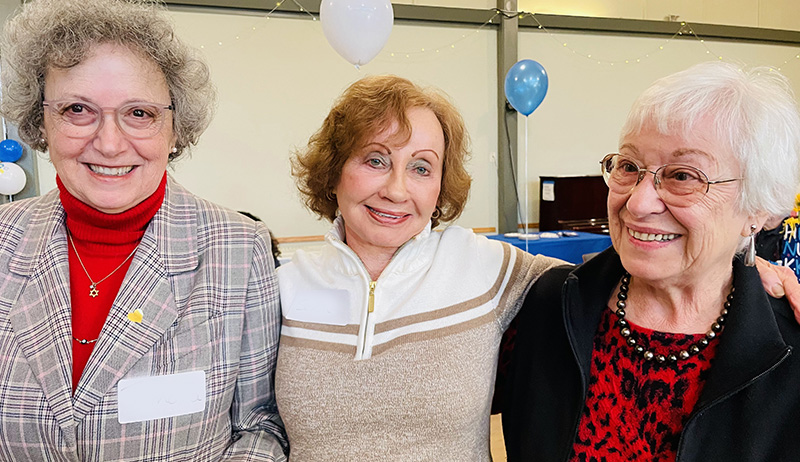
[526,86]
[10,151]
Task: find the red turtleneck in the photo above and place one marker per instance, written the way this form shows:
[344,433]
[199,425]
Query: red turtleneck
[103,241]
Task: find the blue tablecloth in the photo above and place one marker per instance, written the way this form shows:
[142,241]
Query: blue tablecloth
[568,248]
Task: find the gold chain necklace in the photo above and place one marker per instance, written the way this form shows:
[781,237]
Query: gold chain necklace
[93,292]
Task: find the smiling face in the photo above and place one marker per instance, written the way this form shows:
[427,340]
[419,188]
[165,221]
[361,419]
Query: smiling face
[109,171]
[388,192]
[660,242]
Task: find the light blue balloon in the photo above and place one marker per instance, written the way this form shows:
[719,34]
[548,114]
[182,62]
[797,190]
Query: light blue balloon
[526,86]
[10,151]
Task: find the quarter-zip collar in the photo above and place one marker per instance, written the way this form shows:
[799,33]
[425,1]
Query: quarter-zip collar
[350,263]
[347,261]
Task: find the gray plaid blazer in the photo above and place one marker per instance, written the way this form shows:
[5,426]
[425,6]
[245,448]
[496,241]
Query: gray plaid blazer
[204,278]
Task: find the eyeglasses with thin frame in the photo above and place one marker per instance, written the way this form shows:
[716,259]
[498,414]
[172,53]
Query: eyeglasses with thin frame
[80,119]
[678,185]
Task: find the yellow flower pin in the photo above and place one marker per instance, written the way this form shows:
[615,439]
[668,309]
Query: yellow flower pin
[136,316]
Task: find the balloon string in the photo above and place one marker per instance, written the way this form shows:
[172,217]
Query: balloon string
[526,185]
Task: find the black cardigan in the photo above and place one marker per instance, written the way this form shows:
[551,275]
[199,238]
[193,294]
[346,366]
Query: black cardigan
[749,409]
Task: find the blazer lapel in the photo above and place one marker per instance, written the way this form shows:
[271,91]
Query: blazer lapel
[169,246]
[41,316]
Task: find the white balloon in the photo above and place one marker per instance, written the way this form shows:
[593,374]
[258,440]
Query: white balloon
[356,29]
[12,178]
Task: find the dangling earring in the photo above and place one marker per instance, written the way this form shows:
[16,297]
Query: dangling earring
[436,213]
[750,255]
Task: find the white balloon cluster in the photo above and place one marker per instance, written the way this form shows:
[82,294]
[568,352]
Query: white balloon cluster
[357,29]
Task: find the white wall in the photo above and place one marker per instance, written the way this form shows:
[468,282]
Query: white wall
[767,14]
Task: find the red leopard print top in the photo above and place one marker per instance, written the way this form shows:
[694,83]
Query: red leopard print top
[635,409]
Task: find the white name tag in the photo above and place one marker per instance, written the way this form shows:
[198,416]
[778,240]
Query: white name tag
[161,396]
[324,306]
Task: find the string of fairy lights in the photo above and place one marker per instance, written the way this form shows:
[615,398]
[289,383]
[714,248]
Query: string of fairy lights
[683,28]
[447,46]
[266,17]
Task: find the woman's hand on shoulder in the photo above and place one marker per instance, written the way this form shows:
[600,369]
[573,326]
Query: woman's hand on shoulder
[780,281]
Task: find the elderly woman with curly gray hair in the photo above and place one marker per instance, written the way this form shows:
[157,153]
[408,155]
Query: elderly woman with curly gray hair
[138,322]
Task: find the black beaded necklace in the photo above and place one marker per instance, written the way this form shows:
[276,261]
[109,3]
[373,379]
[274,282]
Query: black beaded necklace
[650,355]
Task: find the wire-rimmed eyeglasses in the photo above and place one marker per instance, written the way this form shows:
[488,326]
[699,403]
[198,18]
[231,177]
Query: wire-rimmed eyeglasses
[79,119]
[678,185]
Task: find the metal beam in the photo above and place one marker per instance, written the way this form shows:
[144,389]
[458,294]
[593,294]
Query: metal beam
[507,172]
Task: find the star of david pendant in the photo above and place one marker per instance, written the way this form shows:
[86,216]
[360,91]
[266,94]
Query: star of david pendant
[93,292]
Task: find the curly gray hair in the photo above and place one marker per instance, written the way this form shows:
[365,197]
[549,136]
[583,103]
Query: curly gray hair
[60,34]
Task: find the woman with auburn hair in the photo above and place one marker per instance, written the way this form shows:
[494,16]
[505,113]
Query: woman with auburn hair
[390,333]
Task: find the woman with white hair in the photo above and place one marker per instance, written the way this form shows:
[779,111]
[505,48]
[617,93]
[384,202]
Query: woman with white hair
[666,346]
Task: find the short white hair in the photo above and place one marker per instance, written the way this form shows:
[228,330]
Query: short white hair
[753,111]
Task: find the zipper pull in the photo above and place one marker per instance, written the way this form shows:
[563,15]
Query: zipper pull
[372,285]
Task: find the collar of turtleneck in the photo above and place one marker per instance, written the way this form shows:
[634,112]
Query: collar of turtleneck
[93,228]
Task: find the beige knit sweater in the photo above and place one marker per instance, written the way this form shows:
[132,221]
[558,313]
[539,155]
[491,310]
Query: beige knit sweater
[413,379]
